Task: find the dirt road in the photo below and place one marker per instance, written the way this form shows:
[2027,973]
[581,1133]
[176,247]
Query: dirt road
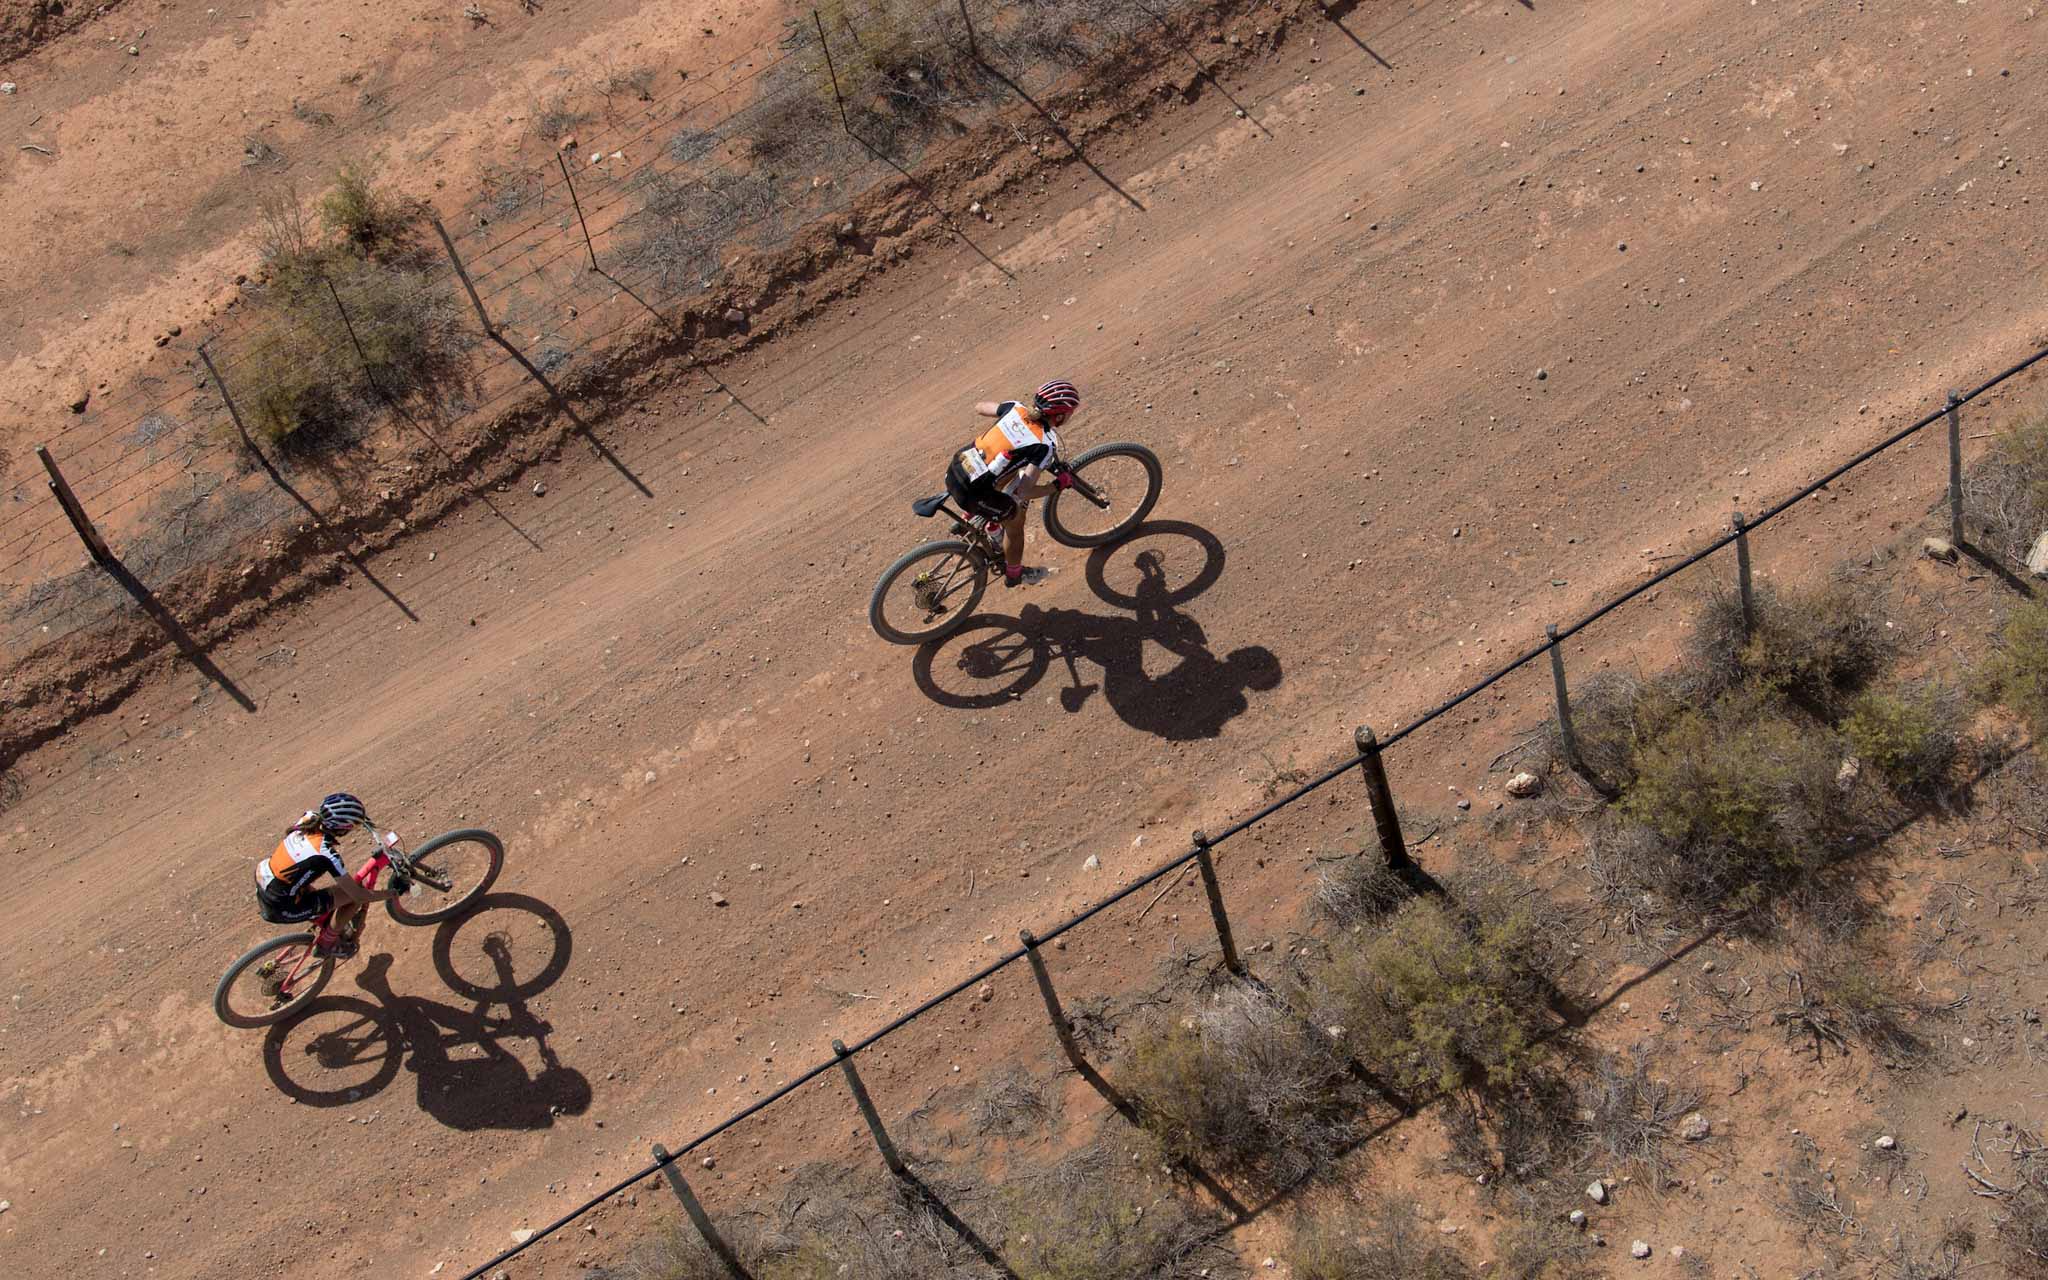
[1470,308]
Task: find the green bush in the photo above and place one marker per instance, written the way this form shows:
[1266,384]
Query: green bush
[1739,797]
[1813,647]
[1910,735]
[374,223]
[2018,674]
[1243,1084]
[1088,1219]
[1615,715]
[1383,1240]
[1433,1002]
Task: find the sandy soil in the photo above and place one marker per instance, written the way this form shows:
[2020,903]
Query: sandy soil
[1328,316]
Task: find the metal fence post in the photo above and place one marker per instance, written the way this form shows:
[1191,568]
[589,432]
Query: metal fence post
[74,511]
[867,1111]
[1207,863]
[1742,571]
[1065,1029]
[1392,846]
[570,183]
[698,1218]
[463,275]
[1955,469]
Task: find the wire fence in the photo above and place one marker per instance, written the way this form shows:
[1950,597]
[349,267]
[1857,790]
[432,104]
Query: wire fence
[650,220]
[1368,760]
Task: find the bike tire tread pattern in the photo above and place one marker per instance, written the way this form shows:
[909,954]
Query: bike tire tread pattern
[483,886]
[251,956]
[1155,476]
[894,635]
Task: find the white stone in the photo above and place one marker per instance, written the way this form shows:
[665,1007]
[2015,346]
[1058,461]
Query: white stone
[1577,1217]
[1939,549]
[1887,1143]
[1092,863]
[1695,1127]
[522,1235]
[2037,559]
[1639,1250]
[1596,1191]
[1524,784]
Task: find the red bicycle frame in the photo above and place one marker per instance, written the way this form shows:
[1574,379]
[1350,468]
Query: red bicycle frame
[366,876]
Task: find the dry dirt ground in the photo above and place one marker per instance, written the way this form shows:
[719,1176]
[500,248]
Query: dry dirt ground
[1327,314]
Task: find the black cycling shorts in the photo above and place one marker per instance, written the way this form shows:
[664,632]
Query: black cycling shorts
[308,905]
[979,496]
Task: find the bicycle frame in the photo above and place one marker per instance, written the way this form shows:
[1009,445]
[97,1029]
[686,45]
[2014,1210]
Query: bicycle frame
[366,876]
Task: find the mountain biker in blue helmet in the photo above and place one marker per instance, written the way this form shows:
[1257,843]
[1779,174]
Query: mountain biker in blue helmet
[312,849]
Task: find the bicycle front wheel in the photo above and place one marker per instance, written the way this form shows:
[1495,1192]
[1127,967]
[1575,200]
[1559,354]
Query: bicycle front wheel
[1115,487]
[928,593]
[466,862]
[271,982]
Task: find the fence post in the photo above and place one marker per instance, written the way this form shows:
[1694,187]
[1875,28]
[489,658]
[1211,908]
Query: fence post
[867,1111]
[826,45]
[60,488]
[1065,1030]
[973,41]
[463,275]
[1955,469]
[698,1218]
[1742,571]
[1392,846]
[571,184]
[1216,912]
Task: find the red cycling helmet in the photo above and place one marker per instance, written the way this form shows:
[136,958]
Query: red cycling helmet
[1057,400]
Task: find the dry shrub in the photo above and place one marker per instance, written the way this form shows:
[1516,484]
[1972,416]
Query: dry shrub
[371,221]
[1911,734]
[2006,494]
[1545,1250]
[1013,1104]
[2017,674]
[1434,1001]
[1813,647]
[1842,995]
[1089,1218]
[1383,1239]
[1357,891]
[1615,715]
[1242,1083]
[2023,1228]
[686,224]
[1629,1117]
[1740,799]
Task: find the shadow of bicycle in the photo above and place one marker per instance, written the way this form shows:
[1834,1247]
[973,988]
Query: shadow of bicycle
[498,956]
[1159,568]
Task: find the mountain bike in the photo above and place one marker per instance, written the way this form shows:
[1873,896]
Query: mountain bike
[276,979]
[932,591]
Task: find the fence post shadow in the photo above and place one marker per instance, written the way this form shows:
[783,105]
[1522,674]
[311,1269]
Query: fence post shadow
[328,532]
[1334,12]
[561,402]
[929,1198]
[1991,564]
[192,650]
[680,336]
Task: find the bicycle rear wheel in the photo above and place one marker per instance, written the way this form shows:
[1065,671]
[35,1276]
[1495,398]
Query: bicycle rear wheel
[1124,477]
[271,982]
[928,593]
[468,862]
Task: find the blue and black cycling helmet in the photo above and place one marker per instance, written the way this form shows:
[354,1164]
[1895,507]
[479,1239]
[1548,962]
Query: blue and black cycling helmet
[342,813]
[1057,400]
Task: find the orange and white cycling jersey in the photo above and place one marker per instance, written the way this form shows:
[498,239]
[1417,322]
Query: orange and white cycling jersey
[1012,443]
[299,858]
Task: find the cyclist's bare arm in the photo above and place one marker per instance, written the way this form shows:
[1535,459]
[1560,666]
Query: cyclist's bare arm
[989,409]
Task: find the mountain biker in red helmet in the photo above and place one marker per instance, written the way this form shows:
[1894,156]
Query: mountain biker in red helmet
[311,849]
[998,473]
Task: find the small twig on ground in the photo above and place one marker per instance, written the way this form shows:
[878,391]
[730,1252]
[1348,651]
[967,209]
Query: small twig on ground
[843,995]
[1179,876]
[41,151]
[1515,750]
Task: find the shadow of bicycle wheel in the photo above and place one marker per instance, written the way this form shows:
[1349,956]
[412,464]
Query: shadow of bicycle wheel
[509,946]
[340,1050]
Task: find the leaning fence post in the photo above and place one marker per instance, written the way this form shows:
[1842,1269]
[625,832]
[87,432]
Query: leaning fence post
[571,184]
[1567,735]
[463,275]
[698,1218]
[1955,469]
[1392,846]
[1742,571]
[867,1111]
[60,488]
[1215,890]
[1064,1029]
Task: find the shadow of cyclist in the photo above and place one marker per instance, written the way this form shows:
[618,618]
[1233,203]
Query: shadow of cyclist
[1194,693]
[466,1078]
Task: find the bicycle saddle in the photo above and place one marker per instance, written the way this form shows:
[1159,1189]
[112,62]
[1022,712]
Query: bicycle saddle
[929,507]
